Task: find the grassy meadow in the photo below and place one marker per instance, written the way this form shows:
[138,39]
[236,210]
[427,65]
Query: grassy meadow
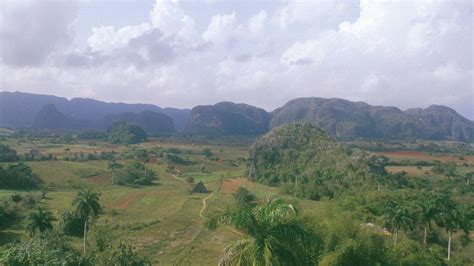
[164,221]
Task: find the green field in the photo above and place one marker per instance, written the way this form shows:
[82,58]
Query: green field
[163,221]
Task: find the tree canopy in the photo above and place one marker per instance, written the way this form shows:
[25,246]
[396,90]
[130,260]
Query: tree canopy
[124,133]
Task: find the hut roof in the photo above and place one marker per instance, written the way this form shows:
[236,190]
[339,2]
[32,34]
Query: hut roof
[200,188]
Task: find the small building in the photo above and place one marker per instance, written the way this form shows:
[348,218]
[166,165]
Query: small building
[200,188]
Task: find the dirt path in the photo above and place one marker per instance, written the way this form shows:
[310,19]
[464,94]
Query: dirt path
[179,178]
[129,199]
[204,205]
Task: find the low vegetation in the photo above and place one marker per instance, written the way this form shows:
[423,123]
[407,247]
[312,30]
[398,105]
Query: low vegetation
[295,197]
[123,133]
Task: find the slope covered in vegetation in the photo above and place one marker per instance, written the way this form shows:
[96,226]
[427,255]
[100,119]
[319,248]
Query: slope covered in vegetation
[307,160]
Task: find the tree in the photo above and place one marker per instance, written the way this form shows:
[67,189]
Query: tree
[450,169]
[400,216]
[87,206]
[7,154]
[376,166]
[452,218]
[275,235]
[243,197]
[40,220]
[122,132]
[124,254]
[207,153]
[467,177]
[133,173]
[19,176]
[49,249]
[16,197]
[429,209]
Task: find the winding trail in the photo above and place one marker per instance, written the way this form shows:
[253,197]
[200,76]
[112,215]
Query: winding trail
[179,178]
[204,205]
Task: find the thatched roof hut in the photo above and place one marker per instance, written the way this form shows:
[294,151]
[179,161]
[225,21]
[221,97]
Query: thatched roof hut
[200,188]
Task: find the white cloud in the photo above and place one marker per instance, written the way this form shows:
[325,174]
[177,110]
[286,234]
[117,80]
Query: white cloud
[106,38]
[29,32]
[257,22]
[168,16]
[452,72]
[186,54]
[321,14]
[400,40]
[222,29]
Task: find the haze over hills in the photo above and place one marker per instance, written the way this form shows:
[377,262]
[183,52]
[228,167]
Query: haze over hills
[18,109]
[340,118]
[153,123]
[49,117]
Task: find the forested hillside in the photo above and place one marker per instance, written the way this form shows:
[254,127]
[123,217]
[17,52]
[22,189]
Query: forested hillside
[227,118]
[308,162]
[357,120]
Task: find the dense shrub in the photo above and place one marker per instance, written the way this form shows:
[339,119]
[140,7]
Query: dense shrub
[124,133]
[92,134]
[71,224]
[133,173]
[207,153]
[243,197]
[176,159]
[52,249]
[7,154]
[18,176]
[8,216]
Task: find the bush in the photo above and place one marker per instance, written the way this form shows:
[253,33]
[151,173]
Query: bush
[133,173]
[124,133]
[243,197]
[207,153]
[18,176]
[53,249]
[176,159]
[410,252]
[121,254]
[71,224]
[8,216]
[7,154]
[92,134]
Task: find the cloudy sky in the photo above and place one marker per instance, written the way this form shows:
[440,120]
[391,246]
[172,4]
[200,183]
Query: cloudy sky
[264,53]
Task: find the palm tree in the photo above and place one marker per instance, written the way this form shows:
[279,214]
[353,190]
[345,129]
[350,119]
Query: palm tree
[400,217]
[452,218]
[274,235]
[16,198]
[87,207]
[429,209]
[40,220]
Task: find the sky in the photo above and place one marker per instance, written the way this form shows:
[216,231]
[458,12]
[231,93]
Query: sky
[264,53]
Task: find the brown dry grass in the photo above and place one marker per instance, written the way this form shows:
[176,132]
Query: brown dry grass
[231,185]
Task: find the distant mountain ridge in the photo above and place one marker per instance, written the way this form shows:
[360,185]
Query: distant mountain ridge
[227,118]
[49,117]
[153,123]
[340,118]
[18,109]
[351,120]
